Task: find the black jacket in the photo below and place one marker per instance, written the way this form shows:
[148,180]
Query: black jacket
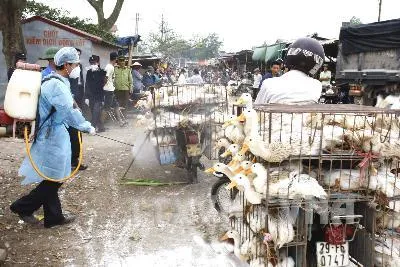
[95,81]
[10,73]
[76,89]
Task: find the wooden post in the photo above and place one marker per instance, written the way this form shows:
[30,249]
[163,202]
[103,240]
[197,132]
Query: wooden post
[380,8]
[130,55]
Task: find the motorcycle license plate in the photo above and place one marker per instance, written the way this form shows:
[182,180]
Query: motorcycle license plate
[332,255]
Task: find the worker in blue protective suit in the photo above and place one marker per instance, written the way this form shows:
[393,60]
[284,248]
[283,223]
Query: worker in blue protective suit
[51,150]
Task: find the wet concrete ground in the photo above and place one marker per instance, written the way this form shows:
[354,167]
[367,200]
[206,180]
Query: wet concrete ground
[117,224]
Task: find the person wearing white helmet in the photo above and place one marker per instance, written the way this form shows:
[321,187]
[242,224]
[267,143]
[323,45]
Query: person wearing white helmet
[51,150]
[304,58]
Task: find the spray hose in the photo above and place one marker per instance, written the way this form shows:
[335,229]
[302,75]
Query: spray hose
[28,151]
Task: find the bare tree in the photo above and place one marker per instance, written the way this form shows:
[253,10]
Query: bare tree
[106,23]
[10,27]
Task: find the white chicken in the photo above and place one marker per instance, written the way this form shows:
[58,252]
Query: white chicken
[285,261]
[346,179]
[296,185]
[389,220]
[256,218]
[387,251]
[281,229]
[259,262]
[385,182]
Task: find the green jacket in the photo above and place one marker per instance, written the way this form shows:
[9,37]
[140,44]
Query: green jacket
[123,79]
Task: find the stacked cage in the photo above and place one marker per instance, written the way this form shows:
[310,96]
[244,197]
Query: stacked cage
[182,116]
[316,185]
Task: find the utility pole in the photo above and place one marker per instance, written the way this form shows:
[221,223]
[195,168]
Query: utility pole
[380,8]
[137,31]
[162,27]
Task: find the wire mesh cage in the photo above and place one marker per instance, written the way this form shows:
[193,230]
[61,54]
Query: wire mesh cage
[318,185]
[183,116]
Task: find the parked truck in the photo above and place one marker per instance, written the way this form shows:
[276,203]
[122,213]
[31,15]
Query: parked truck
[368,61]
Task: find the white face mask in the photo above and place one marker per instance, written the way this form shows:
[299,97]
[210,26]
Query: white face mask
[94,67]
[75,73]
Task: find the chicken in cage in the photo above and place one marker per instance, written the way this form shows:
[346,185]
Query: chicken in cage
[179,117]
[319,161]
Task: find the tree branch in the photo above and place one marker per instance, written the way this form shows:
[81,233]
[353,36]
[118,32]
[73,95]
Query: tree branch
[110,21]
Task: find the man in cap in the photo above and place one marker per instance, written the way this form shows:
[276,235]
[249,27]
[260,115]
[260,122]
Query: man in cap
[137,78]
[325,76]
[304,58]
[110,100]
[49,55]
[123,82]
[95,78]
[51,150]
[257,77]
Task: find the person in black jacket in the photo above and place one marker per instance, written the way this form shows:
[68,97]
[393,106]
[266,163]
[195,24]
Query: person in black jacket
[19,57]
[78,85]
[95,80]
[77,90]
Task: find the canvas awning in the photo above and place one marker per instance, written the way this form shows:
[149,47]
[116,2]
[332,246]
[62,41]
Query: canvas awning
[259,53]
[274,52]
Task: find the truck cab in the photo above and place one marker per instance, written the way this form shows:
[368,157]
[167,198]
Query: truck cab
[368,60]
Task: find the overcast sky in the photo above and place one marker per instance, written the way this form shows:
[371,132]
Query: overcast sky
[240,24]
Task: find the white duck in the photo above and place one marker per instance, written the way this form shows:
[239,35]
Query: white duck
[233,149]
[273,152]
[245,99]
[222,143]
[241,250]
[250,117]
[260,180]
[234,131]
[237,160]
[222,168]
[242,181]
[244,167]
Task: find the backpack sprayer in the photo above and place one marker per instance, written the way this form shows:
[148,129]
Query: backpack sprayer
[21,103]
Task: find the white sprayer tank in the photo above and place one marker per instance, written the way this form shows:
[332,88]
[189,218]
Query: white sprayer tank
[22,93]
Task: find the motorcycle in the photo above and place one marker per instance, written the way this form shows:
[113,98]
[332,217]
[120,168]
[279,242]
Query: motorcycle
[329,95]
[220,196]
